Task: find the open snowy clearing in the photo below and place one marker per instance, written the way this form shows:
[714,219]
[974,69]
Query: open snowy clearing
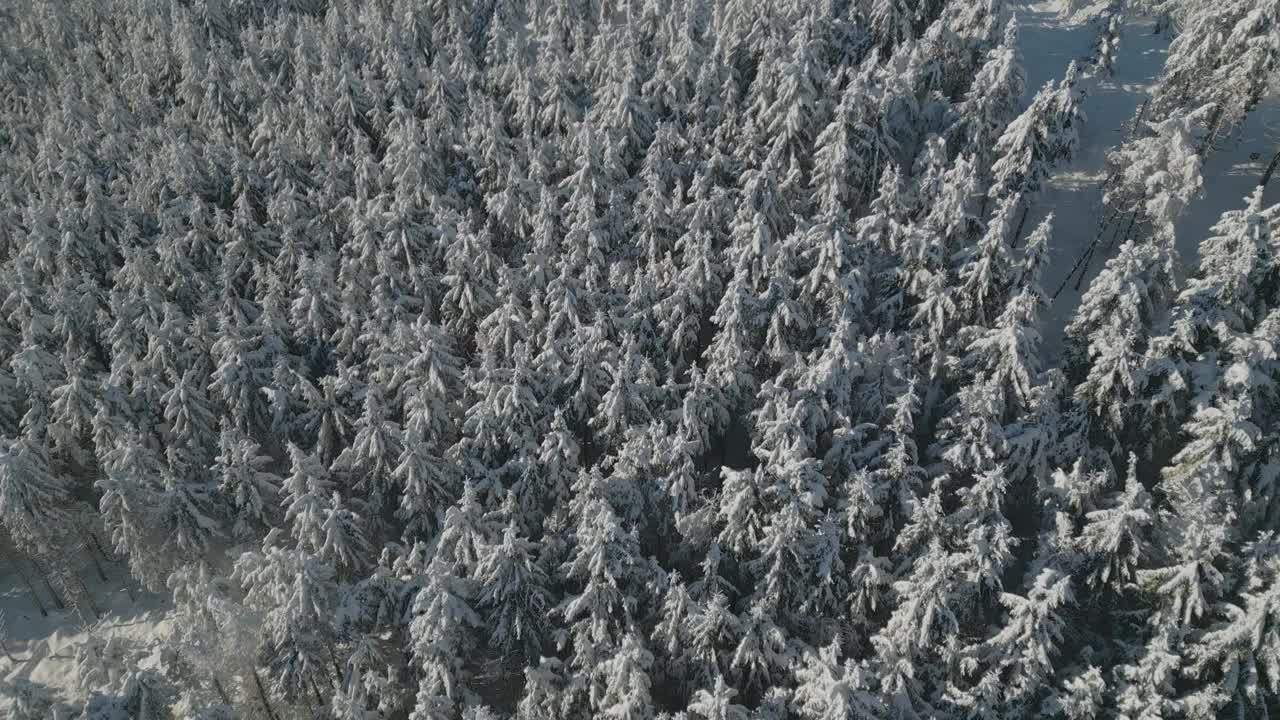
[43,647]
[1050,41]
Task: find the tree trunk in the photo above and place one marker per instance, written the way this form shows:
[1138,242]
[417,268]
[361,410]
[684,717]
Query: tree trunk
[102,573]
[1026,210]
[35,597]
[1133,220]
[1214,121]
[262,695]
[98,566]
[222,692]
[1084,270]
[110,558]
[88,597]
[101,550]
[44,577]
[1271,170]
[1137,120]
[1088,252]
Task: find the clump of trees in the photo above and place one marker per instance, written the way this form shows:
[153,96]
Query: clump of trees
[629,359]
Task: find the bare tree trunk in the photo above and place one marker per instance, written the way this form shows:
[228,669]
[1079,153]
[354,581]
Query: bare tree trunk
[111,559]
[88,597]
[73,589]
[101,550]
[4,629]
[262,695]
[1128,232]
[1084,270]
[1026,210]
[1105,224]
[1271,170]
[35,597]
[1137,120]
[1083,263]
[1212,131]
[102,573]
[1080,262]
[222,692]
[44,576]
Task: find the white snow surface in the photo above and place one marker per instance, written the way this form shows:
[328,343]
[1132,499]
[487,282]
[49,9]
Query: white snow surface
[44,647]
[1051,39]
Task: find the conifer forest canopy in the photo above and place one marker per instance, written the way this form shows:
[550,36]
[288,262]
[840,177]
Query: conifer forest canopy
[630,359]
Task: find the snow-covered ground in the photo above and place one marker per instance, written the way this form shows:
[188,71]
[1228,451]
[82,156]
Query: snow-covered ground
[44,648]
[1050,41]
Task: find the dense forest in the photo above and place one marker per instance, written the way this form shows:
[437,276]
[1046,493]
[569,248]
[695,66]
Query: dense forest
[569,359]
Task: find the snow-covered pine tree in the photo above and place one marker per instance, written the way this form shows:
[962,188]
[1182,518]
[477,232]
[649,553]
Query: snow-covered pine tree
[1110,334]
[369,461]
[33,501]
[442,634]
[1222,56]
[1231,291]
[241,476]
[992,97]
[513,593]
[295,592]
[607,577]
